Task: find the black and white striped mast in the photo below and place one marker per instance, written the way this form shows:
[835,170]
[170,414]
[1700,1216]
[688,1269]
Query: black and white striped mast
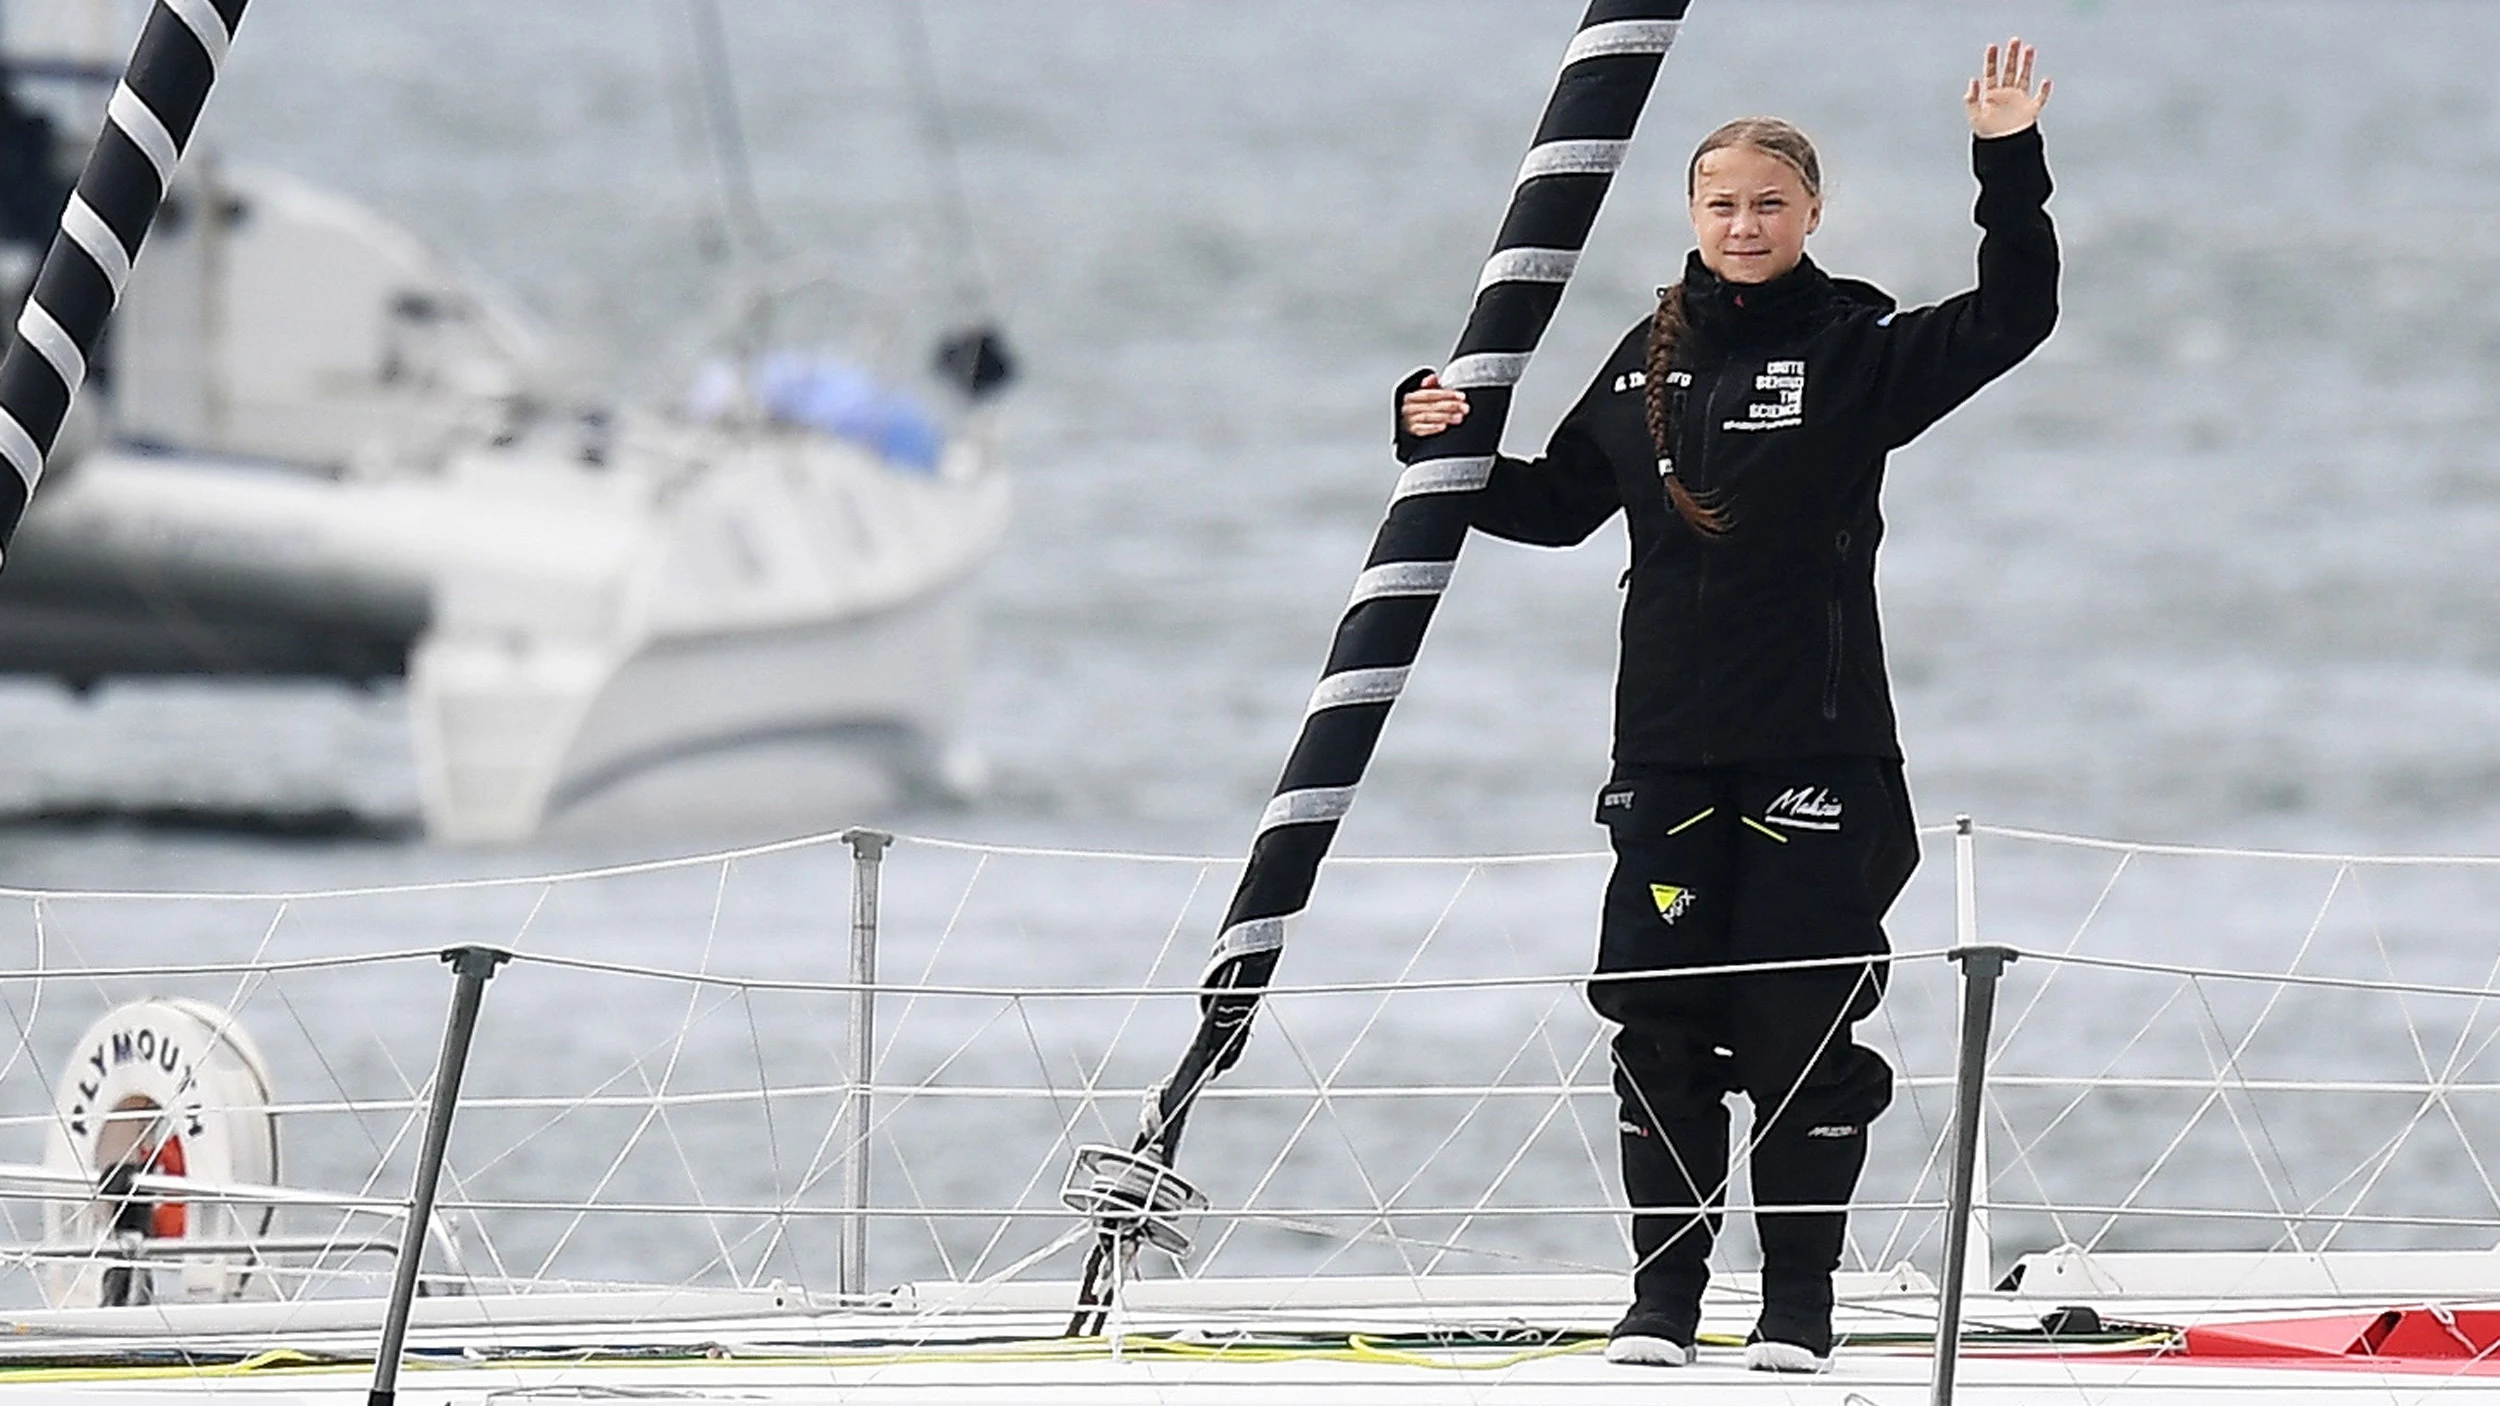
[1607,75]
[147,124]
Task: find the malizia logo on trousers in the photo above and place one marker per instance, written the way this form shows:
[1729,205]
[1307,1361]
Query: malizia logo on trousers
[1804,808]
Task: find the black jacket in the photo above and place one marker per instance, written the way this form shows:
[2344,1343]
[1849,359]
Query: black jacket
[1764,643]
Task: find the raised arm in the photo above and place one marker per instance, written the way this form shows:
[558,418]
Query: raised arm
[1935,358]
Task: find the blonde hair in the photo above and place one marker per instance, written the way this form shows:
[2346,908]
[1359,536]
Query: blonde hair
[1773,138]
[1768,135]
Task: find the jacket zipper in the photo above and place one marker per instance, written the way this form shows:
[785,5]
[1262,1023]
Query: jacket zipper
[1701,433]
[1699,436]
[1832,630]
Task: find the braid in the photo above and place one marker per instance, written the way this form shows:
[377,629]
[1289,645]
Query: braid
[1703,511]
[1666,335]
[1666,330]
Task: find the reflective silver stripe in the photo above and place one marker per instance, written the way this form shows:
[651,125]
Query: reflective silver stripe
[1528,266]
[1573,159]
[203,19]
[1355,687]
[1443,476]
[19,448]
[1402,578]
[89,231]
[140,123]
[1243,940]
[1308,807]
[1621,37]
[45,334]
[1470,373]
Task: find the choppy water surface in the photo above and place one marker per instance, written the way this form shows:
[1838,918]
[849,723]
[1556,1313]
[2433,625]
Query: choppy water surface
[2215,565]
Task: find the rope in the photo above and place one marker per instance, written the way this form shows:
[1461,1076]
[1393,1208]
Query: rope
[2051,837]
[1202,993]
[1232,860]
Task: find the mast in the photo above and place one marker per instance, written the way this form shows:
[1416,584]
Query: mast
[1607,74]
[147,124]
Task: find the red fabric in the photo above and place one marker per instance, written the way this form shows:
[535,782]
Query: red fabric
[2455,1342]
[170,1220]
[2333,1335]
[2416,1339]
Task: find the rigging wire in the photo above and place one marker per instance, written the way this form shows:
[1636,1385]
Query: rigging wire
[687,132]
[974,358]
[742,214]
[942,161]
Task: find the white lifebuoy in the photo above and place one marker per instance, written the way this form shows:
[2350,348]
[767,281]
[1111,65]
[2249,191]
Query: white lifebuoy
[175,1087]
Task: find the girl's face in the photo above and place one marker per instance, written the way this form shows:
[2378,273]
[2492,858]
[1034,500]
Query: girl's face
[1751,214]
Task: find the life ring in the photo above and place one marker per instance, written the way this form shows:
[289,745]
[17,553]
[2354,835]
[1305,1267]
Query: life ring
[163,1088]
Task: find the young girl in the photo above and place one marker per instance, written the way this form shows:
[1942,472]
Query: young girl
[1757,809]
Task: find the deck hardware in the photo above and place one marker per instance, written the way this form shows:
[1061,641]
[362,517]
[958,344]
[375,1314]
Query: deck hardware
[1131,1196]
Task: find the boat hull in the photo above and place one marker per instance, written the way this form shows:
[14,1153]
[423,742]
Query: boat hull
[775,731]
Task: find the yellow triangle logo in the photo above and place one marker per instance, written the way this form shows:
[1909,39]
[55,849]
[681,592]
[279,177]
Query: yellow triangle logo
[1668,897]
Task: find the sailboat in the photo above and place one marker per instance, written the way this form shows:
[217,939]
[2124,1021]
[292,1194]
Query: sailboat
[311,448]
[715,1168]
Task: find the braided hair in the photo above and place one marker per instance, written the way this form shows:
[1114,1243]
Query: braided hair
[1702,510]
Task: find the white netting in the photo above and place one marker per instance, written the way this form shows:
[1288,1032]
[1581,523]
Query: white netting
[659,1084]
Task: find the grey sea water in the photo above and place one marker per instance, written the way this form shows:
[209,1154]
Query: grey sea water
[2216,565]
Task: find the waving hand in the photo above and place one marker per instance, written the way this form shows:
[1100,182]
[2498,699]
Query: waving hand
[2001,101]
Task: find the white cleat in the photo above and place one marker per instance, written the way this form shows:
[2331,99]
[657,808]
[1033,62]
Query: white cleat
[1639,1350]
[1769,1356]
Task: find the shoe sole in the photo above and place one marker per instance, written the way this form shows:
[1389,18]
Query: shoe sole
[1635,1350]
[1783,1357]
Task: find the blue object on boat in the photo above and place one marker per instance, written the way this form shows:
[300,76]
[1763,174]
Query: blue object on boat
[843,400]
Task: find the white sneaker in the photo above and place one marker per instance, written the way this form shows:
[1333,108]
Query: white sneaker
[1769,1356]
[1639,1350]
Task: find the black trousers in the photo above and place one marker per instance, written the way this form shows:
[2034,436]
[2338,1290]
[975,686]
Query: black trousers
[1726,867]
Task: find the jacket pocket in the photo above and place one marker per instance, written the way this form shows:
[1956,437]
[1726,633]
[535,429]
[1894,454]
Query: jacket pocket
[1619,805]
[1655,806]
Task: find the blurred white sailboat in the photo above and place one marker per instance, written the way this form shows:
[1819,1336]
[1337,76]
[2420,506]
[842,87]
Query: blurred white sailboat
[313,450]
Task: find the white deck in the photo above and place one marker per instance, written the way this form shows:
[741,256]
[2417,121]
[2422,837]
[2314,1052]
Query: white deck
[1225,1347]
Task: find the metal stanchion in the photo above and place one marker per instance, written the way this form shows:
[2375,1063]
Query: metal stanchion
[471,966]
[868,849]
[1981,967]
[1979,1278]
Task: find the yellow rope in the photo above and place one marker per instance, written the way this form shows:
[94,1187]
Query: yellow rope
[1368,1350]
[1356,1348]
[279,1359]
